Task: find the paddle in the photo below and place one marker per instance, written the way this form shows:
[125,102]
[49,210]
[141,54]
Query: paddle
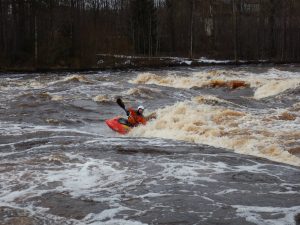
[121,104]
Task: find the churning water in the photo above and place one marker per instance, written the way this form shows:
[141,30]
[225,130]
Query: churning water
[224,148]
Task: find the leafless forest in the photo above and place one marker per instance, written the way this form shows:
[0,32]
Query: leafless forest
[70,33]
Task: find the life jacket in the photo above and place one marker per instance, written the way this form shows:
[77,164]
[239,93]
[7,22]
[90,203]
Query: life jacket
[135,119]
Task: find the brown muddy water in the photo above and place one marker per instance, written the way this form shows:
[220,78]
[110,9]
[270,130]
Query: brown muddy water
[224,149]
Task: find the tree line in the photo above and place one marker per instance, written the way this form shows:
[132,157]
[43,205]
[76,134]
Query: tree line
[70,33]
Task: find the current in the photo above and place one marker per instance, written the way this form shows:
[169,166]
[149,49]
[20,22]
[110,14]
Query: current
[224,148]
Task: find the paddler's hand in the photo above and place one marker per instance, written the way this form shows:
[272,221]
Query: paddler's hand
[151,116]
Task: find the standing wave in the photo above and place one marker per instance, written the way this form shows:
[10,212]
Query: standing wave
[248,133]
[270,83]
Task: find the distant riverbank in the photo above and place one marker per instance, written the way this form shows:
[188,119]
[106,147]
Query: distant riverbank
[117,62]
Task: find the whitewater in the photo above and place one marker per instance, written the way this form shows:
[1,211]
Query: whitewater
[224,147]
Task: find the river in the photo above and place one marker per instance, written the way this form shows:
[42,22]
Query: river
[224,148]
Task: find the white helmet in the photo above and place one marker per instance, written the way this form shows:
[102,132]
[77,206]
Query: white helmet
[141,107]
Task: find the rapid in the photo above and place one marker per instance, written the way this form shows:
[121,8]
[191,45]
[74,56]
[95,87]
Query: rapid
[224,148]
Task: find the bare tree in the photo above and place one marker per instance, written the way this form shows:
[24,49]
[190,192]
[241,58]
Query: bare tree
[69,33]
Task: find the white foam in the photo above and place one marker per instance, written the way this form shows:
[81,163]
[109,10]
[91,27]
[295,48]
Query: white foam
[74,77]
[97,179]
[214,61]
[101,98]
[187,62]
[119,222]
[253,214]
[274,87]
[243,132]
[227,191]
[91,175]
[153,195]
[189,172]
[8,128]
[105,214]
[267,84]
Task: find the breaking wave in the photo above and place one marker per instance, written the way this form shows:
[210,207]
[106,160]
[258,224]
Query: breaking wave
[73,78]
[272,83]
[275,87]
[143,92]
[77,78]
[243,132]
[102,98]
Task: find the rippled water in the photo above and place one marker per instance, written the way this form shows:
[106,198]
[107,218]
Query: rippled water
[224,148]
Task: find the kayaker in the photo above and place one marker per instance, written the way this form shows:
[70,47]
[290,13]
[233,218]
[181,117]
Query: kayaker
[136,117]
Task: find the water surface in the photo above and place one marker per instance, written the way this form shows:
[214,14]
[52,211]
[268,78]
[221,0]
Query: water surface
[224,148]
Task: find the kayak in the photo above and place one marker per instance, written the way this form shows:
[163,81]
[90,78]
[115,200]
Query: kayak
[119,125]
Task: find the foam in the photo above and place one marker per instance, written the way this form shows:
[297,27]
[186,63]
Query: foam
[153,195]
[184,173]
[211,99]
[275,87]
[105,214]
[143,92]
[252,214]
[102,98]
[206,60]
[22,85]
[201,120]
[169,81]
[118,222]
[7,128]
[90,175]
[106,181]
[227,191]
[72,78]
[76,175]
[221,127]
[270,83]
[77,178]
[191,172]
[56,97]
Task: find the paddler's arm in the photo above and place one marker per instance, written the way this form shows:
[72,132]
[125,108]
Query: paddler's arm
[128,111]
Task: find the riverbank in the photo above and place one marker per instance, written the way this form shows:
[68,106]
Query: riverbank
[123,62]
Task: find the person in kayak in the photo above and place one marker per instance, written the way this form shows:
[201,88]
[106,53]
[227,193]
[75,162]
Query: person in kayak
[136,117]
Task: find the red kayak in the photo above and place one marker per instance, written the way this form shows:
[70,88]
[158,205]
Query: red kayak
[119,125]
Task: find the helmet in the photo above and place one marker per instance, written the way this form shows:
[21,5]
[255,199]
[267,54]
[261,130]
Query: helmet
[141,107]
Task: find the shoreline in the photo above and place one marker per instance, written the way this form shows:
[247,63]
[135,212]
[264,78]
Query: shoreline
[122,62]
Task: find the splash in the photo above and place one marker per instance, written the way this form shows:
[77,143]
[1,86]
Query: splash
[222,127]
